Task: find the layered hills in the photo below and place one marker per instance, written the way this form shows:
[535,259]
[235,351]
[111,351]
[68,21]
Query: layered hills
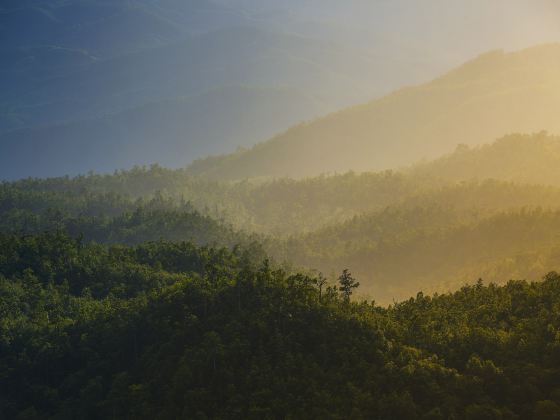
[470,214]
[494,94]
[89,71]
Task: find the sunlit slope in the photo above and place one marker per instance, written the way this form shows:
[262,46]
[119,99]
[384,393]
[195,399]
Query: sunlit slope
[480,212]
[495,94]
[531,159]
[398,250]
[512,172]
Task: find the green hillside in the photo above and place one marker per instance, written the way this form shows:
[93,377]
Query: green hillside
[202,217]
[525,166]
[153,293]
[444,248]
[495,94]
[31,207]
[467,215]
[173,331]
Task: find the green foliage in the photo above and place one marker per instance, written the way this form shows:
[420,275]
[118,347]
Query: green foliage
[444,248]
[166,330]
[380,225]
[142,294]
[347,284]
[35,206]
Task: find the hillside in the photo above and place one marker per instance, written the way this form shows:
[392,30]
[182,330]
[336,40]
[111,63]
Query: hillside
[113,218]
[169,131]
[530,159]
[495,94]
[170,330]
[230,88]
[263,209]
[487,178]
[467,215]
[444,247]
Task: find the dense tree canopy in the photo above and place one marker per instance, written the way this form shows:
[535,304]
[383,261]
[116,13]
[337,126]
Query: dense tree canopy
[167,330]
[154,294]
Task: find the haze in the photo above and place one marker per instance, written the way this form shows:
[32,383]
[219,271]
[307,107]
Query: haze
[280,209]
[96,85]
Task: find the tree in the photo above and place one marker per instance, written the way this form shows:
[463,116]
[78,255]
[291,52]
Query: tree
[320,281]
[347,284]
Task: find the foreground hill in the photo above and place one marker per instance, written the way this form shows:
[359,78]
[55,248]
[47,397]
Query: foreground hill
[494,94]
[170,330]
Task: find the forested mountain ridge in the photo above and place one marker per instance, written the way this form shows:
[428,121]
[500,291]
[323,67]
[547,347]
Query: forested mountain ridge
[494,94]
[474,206]
[445,248]
[113,218]
[530,159]
[168,330]
[487,177]
[394,260]
[109,313]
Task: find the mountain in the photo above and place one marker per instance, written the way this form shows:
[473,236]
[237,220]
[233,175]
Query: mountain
[486,177]
[171,132]
[495,94]
[230,87]
[530,159]
[80,61]
[490,211]
[245,56]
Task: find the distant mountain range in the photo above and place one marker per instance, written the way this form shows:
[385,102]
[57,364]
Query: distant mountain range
[77,72]
[168,131]
[86,75]
[494,94]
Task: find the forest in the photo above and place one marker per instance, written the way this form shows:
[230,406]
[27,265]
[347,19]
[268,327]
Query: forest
[467,215]
[172,330]
[284,210]
[419,293]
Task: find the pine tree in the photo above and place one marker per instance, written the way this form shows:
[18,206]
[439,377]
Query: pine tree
[347,284]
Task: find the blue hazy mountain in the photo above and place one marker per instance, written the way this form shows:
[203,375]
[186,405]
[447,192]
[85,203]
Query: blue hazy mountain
[86,70]
[133,136]
[71,68]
